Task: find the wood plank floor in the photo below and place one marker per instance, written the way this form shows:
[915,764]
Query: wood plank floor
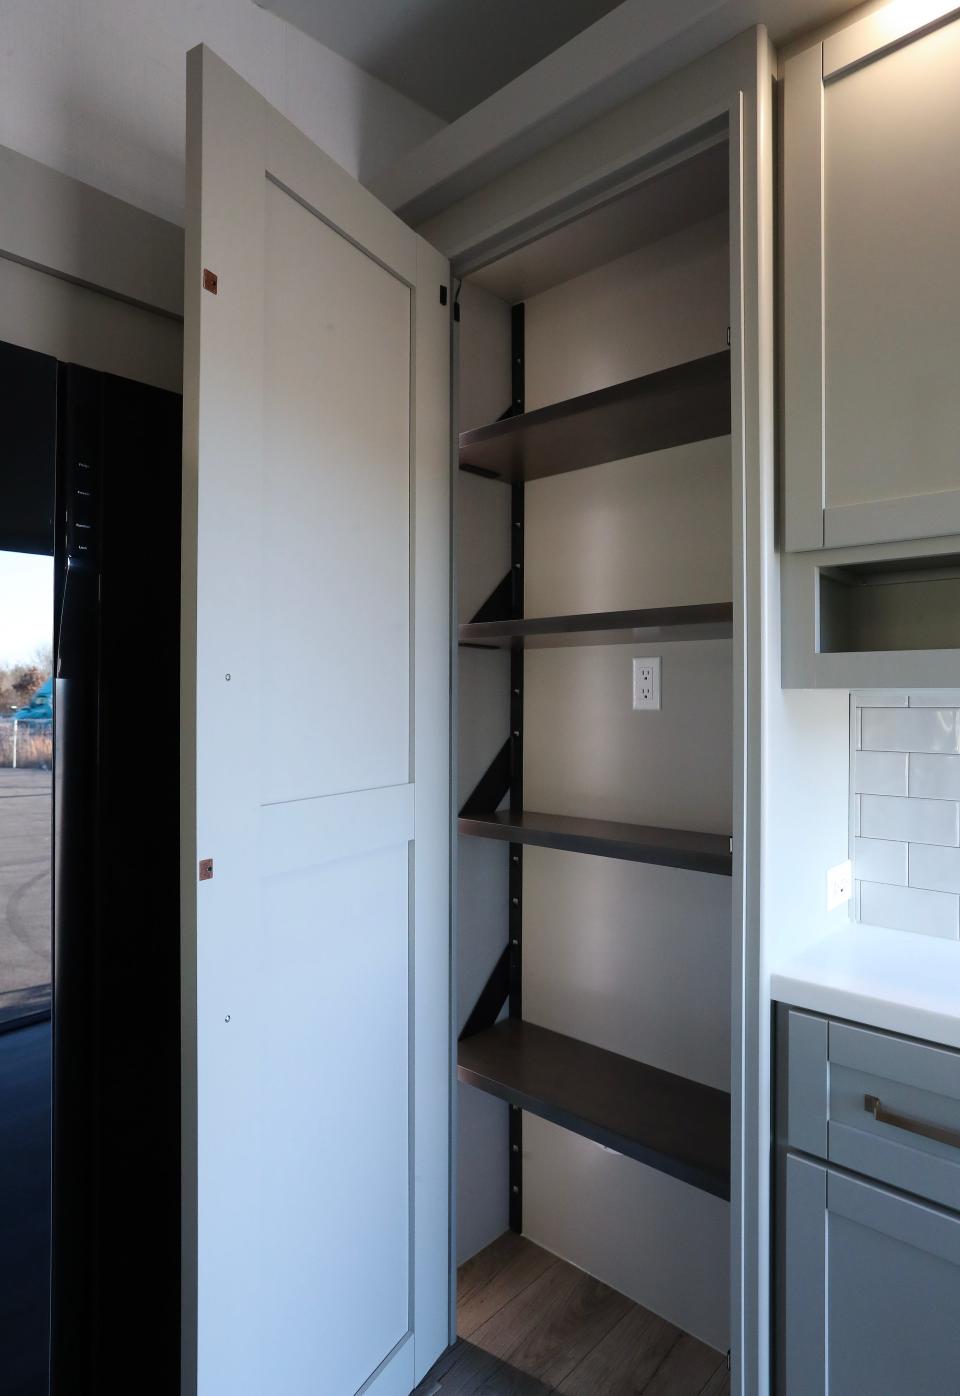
[529,1324]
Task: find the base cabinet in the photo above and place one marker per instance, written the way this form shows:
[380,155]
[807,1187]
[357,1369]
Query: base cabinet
[872,1289]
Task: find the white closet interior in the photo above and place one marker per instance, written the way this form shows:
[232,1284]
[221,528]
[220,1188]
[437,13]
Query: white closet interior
[621,953]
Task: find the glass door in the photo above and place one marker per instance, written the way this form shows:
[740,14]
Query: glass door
[28,412]
[26,775]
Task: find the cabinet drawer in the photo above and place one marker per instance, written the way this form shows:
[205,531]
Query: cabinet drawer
[887,1107]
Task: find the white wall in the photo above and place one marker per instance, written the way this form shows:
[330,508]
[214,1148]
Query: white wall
[80,326]
[96,89]
[632,958]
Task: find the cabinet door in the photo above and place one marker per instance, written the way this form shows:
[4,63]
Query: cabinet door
[315,764]
[872,1289]
[871,291]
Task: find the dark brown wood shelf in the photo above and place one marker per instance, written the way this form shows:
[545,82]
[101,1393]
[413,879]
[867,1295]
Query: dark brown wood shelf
[651,625]
[665,1121]
[690,402]
[638,843]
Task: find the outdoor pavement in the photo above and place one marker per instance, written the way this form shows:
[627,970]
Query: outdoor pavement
[25,1079]
[25,891]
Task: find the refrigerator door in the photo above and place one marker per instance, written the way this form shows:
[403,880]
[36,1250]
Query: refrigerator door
[28,411]
[76,913]
[116,1154]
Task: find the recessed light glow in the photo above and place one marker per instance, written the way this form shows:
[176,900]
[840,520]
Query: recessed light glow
[903,16]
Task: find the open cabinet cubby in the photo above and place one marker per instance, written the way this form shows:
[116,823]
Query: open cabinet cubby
[889,605]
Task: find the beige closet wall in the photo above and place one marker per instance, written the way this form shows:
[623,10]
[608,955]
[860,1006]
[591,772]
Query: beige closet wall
[633,958]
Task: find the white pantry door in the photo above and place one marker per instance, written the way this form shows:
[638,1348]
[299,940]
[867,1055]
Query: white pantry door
[317,1048]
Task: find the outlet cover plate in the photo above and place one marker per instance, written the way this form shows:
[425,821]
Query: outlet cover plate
[839,885]
[646,683]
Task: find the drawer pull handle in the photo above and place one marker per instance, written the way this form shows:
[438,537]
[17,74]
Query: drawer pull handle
[874,1106]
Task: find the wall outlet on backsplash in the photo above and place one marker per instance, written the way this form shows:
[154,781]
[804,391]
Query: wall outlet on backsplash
[839,884]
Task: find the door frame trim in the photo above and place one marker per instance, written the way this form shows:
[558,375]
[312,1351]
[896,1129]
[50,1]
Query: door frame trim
[739,99]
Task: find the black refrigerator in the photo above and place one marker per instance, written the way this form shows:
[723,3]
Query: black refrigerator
[112,1229]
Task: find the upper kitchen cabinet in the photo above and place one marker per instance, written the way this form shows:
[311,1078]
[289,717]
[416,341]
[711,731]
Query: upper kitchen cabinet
[871,228]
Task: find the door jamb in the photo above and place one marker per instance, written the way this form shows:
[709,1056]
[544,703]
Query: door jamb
[717,122]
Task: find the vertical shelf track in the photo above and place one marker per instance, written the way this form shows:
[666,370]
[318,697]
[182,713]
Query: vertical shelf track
[515,884]
[503,779]
[515,881]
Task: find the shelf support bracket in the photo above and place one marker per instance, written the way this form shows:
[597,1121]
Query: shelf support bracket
[493,996]
[499,604]
[492,786]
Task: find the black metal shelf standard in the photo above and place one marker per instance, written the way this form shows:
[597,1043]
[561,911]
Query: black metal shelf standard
[668,1122]
[655,625]
[636,843]
[690,402]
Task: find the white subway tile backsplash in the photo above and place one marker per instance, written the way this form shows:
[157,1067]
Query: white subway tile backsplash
[905,810]
[909,729]
[910,909]
[934,777]
[881,772]
[882,860]
[935,868]
[913,821]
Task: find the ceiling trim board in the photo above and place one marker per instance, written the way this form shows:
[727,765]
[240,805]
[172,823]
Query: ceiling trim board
[626,50]
[629,50]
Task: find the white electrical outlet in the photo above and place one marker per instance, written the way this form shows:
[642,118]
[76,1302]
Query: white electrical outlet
[839,884]
[646,683]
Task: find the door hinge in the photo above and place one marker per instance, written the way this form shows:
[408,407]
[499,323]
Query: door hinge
[210,281]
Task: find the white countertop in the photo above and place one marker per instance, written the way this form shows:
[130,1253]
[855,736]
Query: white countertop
[895,980]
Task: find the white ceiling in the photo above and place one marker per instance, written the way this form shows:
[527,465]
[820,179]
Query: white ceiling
[449,55]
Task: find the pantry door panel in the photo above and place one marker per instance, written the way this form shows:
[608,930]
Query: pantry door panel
[316,820]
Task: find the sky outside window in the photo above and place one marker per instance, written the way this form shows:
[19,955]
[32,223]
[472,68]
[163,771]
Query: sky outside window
[26,607]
